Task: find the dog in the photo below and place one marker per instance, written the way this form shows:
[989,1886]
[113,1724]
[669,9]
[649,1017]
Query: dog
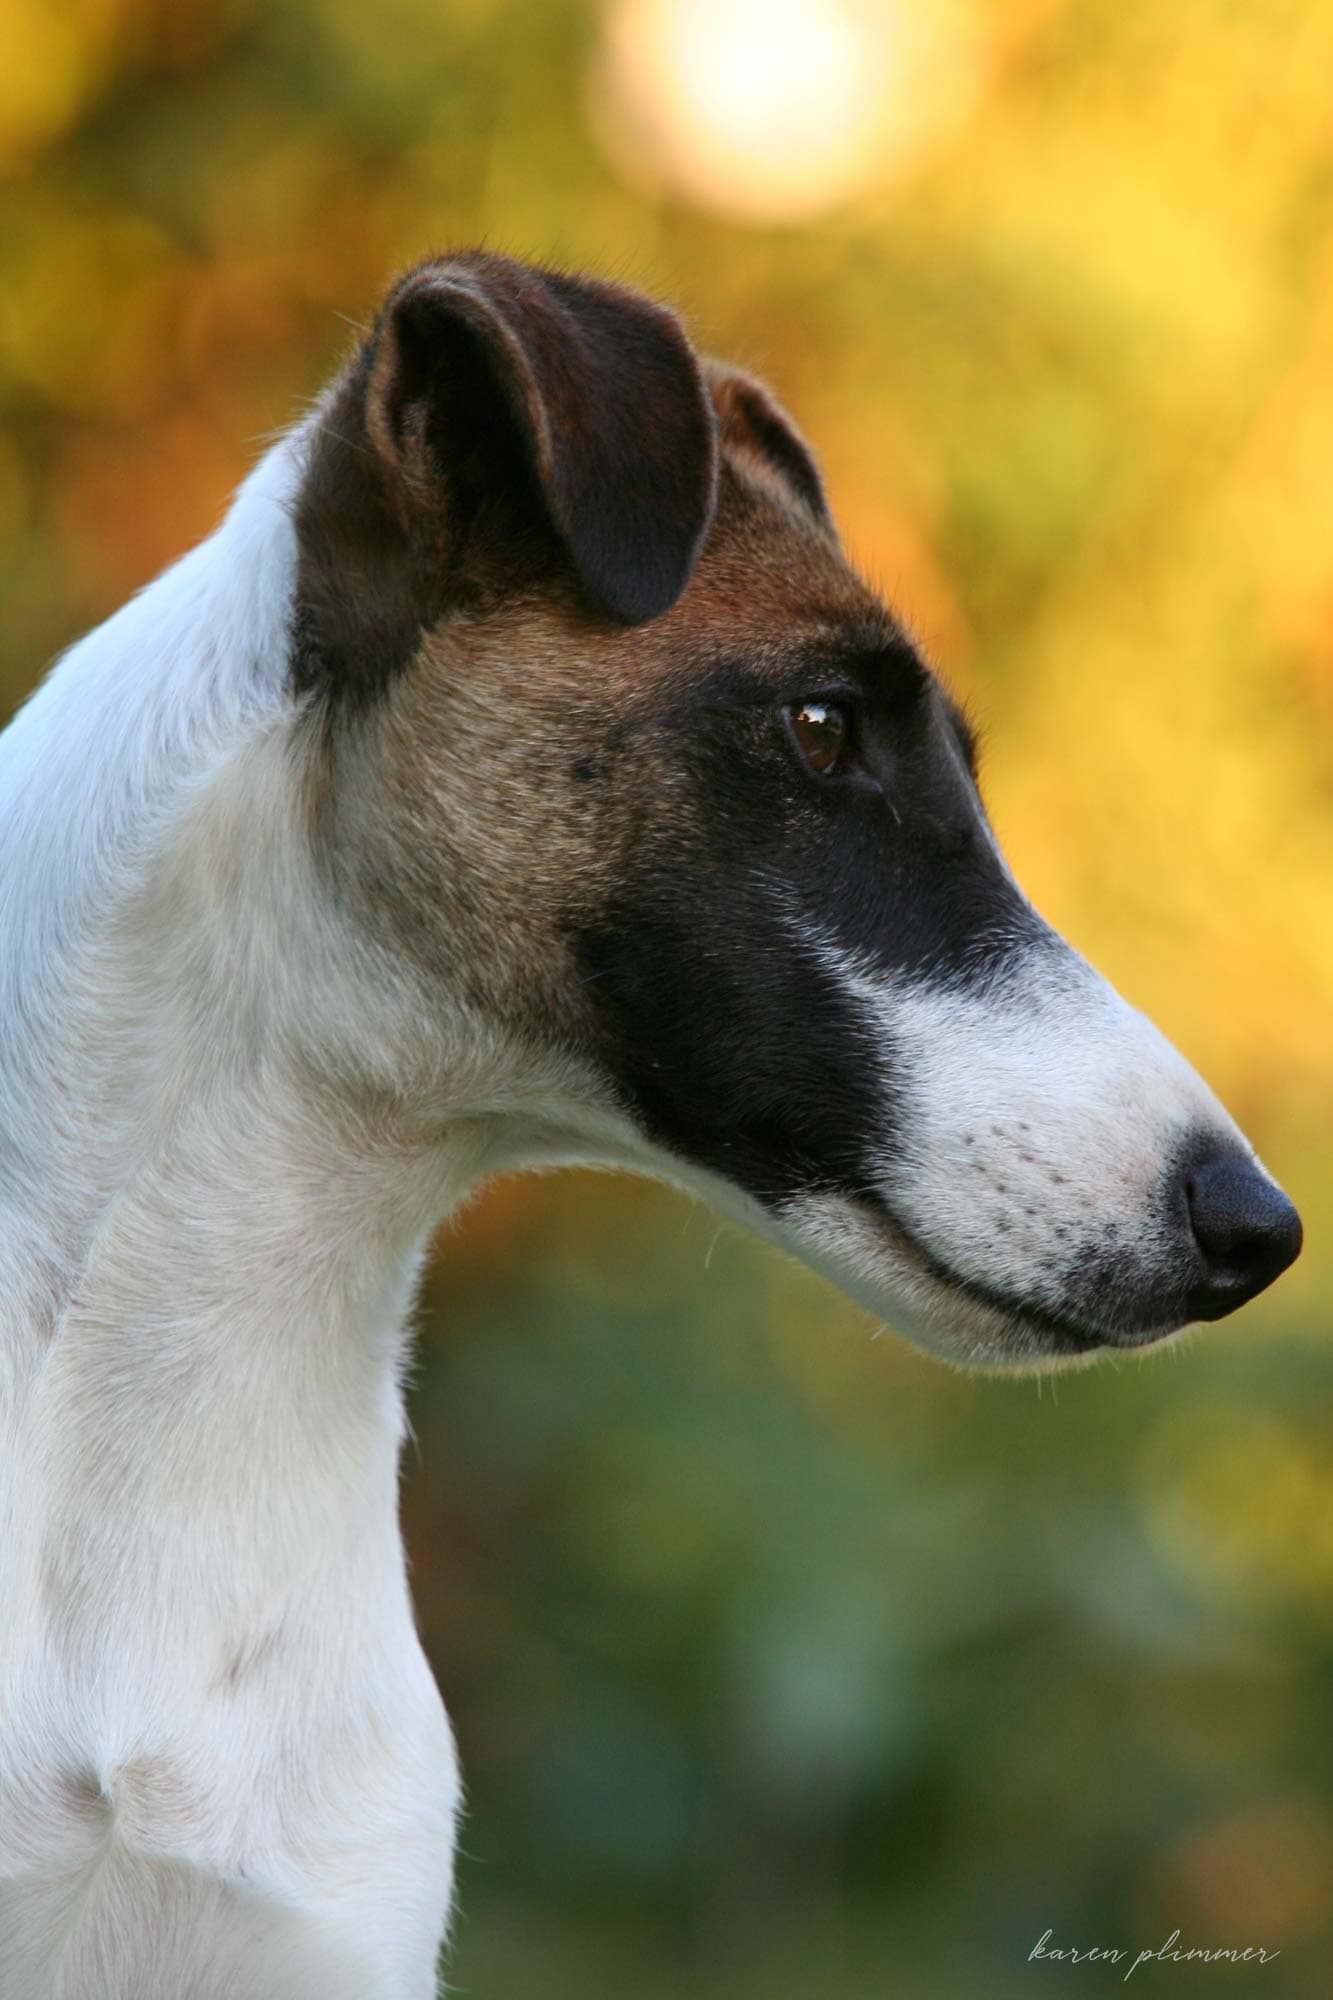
[519,775]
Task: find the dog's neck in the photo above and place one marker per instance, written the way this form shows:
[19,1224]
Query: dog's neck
[98,775]
[214,1205]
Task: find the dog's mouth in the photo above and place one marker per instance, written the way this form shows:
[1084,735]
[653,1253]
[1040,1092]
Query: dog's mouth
[1065,1333]
[1099,1279]
[868,1251]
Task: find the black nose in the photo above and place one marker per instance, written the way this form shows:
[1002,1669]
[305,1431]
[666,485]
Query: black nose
[1245,1227]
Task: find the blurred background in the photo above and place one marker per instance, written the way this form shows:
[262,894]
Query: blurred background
[783,1662]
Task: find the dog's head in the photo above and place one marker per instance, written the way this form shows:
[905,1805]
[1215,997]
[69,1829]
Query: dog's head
[624,759]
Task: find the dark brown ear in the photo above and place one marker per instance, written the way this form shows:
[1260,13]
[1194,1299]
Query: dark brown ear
[493,387]
[754,426]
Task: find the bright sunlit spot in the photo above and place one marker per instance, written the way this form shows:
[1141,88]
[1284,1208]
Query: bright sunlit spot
[775,110]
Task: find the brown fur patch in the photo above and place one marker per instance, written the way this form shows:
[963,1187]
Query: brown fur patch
[507,748]
[524,754]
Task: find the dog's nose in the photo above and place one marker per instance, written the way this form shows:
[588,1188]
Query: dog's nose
[1245,1227]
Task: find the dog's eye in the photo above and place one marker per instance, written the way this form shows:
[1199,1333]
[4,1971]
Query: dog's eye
[821,730]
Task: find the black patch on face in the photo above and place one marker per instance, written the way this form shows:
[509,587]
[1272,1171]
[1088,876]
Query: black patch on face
[734,1049]
[725,1031]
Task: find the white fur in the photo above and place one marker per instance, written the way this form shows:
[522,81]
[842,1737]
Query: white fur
[224,1766]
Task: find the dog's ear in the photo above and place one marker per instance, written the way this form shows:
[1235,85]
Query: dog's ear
[754,426]
[496,392]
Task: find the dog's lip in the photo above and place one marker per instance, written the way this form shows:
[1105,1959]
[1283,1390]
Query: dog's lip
[1063,1335]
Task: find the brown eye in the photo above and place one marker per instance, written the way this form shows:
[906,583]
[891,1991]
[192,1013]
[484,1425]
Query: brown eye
[820,729]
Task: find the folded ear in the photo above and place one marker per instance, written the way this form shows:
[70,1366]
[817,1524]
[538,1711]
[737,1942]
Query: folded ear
[754,426]
[494,390]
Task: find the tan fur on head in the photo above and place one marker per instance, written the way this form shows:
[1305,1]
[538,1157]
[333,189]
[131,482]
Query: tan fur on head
[490,790]
[494,794]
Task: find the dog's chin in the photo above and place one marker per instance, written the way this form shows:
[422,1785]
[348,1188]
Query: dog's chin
[871,1257]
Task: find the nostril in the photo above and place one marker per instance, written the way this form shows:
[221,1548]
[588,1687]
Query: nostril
[1245,1227]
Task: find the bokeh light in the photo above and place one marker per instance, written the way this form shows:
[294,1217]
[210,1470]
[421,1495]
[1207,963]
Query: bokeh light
[776,110]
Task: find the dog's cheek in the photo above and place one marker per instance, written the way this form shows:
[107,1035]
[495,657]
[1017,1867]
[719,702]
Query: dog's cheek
[732,1052]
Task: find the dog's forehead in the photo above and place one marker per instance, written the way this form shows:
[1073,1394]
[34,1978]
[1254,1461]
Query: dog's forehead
[772,592]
